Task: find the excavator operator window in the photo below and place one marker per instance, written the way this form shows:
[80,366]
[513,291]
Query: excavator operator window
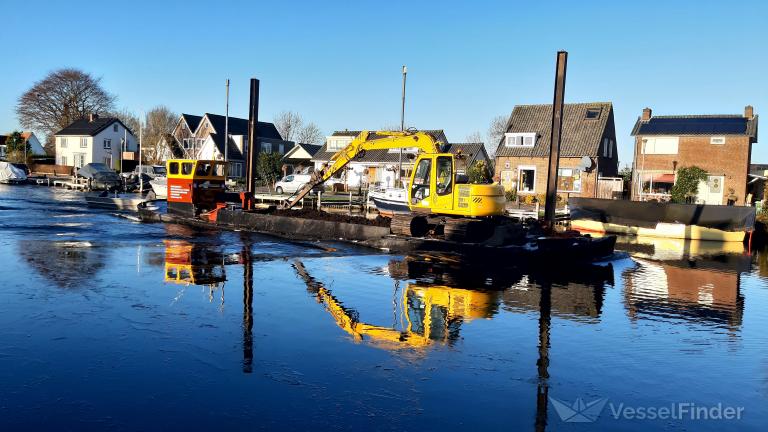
[444,175]
[174,168]
[186,168]
[420,187]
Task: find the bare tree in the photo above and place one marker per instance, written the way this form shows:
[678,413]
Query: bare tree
[288,123]
[158,123]
[310,134]
[60,98]
[292,128]
[474,137]
[129,119]
[495,132]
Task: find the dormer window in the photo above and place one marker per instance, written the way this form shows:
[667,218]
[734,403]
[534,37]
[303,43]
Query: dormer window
[593,113]
[519,139]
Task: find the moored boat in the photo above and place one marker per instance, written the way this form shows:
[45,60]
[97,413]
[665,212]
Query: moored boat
[390,201]
[665,220]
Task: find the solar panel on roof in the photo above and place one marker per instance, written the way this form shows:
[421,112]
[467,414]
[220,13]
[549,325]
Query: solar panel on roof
[702,125]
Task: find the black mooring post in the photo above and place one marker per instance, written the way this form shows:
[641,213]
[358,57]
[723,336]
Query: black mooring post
[253,145]
[555,135]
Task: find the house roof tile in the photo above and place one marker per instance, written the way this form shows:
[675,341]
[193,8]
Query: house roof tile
[85,127]
[581,136]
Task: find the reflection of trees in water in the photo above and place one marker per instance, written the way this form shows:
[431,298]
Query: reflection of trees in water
[66,264]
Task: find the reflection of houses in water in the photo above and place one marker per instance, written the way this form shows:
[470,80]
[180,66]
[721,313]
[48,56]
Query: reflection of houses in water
[68,264]
[691,280]
[441,294]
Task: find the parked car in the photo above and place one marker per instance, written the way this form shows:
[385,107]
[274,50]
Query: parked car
[291,183]
[151,170]
[101,176]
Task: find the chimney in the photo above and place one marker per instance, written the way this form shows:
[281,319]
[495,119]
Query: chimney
[94,116]
[253,144]
[749,112]
[646,114]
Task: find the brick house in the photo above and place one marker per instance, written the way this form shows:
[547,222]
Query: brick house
[719,144]
[522,158]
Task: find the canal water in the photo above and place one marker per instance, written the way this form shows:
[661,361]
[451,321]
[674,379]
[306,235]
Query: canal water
[110,324]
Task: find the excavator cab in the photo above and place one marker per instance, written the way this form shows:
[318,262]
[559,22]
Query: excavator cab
[437,186]
[195,186]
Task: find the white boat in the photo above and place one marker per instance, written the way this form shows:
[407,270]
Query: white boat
[10,174]
[159,187]
[390,201]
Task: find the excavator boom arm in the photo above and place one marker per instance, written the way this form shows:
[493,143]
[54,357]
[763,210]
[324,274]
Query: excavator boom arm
[384,140]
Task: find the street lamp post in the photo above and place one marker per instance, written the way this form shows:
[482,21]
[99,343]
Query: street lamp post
[402,128]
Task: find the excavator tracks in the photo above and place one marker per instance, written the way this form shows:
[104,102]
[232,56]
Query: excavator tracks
[409,225]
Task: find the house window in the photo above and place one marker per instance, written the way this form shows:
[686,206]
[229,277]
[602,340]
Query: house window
[519,139]
[607,147]
[186,142]
[63,144]
[235,169]
[83,142]
[660,145]
[266,147]
[63,160]
[114,127]
[337,144]
[568,180]
[107,144]
[282,148]
[200,142]
[593,113]
[717,140]
[526,180]
[108,161]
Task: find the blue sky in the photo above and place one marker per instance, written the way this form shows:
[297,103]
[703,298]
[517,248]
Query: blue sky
[338,63]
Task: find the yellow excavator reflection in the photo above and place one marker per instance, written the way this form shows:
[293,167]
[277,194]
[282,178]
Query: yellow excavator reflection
[431,314]
[189,264]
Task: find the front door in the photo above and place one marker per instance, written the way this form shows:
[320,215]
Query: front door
[507,180]
[711,190]
[79,160]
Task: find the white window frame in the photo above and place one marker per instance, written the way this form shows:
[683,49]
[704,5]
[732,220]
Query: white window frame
[266,147]
[653,142]
[520,169]
[717,140]
[63,143]
[527,139]
[63,161]
[83,142]
[107,144]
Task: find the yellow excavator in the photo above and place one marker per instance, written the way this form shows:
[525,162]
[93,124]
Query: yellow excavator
[440,199]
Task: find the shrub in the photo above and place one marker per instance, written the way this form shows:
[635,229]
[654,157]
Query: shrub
[687,184]
[478,172]
[511,194]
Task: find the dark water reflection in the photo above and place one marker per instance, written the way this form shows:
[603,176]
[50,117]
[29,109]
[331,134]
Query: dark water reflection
[154,327]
